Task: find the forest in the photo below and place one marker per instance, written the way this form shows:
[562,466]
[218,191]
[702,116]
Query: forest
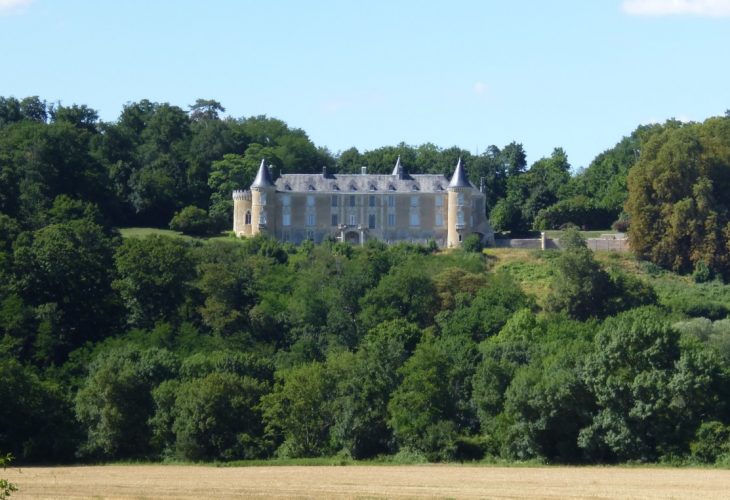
[212,348]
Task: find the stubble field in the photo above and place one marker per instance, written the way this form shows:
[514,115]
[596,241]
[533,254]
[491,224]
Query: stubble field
[428,481]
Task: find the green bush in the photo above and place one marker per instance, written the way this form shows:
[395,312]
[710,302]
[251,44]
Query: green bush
[6,487]
[702,272]
[711,441]
[193,221]
[472,243]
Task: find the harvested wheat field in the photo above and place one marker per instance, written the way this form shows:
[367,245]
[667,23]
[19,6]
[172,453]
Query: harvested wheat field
[429,481]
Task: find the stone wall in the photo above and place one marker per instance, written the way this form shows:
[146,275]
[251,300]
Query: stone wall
[606,243]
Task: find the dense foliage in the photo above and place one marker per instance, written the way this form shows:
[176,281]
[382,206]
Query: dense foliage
[156,347]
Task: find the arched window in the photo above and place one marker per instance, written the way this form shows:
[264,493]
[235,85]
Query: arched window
[248,217]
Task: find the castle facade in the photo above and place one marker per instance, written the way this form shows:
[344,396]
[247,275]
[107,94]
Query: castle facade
[357,207]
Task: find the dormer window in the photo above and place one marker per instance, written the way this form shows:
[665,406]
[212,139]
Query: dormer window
[372,187]
[439,187]
[414,187]
[353,187]
[310,187]
[391,187]
[287,187]
[335,187]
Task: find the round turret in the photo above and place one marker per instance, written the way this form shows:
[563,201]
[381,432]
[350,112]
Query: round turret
[459,207]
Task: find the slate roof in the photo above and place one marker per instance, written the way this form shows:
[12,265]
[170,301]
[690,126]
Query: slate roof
[459,178]
[362,183]
[399,181]
[263,177]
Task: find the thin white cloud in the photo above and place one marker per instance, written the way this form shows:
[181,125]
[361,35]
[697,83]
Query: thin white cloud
[702,8]
[480,88]
[10,6]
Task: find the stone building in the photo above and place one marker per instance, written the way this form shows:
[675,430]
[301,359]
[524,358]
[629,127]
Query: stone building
[358,207]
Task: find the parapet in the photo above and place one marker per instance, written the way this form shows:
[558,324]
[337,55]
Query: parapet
[239,194]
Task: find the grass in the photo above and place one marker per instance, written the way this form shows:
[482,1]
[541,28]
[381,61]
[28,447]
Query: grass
[532,269]
[144,232]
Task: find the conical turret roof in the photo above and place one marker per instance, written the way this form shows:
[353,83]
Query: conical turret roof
[399,170]
[459,178]
[263,177]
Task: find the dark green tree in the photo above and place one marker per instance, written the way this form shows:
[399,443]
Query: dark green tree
[153,277]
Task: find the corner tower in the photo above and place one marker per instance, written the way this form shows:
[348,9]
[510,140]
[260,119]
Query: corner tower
[242,213]
[263,216]
[459,207]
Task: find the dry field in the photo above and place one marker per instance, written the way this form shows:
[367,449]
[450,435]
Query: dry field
[429,481]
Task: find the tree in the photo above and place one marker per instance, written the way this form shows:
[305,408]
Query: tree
[115,403]
[484,314]
[153,277]
[218,417]
[676,202]
[421,407]
[205,109]
[36,419]
[298,412]
[652,389]
[57,269]
[581,288]
[361,408]
[405,292]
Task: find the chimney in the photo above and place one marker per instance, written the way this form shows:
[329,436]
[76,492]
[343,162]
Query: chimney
[324,171]
[364,170]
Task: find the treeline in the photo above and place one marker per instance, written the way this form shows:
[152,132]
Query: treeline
[157,159]
[160,348]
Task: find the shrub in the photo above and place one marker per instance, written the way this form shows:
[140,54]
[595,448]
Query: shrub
[702,272]
[711,441]
[6,487]
[472,243]
[193,221]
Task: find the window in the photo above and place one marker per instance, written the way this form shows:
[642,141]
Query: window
[414,201]
[460,199]
[353,202]
[391,219]
[353,219]
[286,235]
[415,219]
[391,200]
[286,220]
[334,200]
[262,218]
[372,200]
[439,201]
[310,200]
[459,237]
[371,221]
[460,218]
[248,217]
[335,220]
[310,235]
[286,200]
[310,219]
[439,219]
[262,198]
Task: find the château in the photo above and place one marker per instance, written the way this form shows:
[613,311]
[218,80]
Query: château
[358,207]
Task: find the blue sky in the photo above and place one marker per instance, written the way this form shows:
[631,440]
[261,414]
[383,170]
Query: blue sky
[578,74]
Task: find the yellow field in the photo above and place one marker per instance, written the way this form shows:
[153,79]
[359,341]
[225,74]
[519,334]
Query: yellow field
[427,481]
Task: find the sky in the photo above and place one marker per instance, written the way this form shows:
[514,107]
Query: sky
[576,74]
